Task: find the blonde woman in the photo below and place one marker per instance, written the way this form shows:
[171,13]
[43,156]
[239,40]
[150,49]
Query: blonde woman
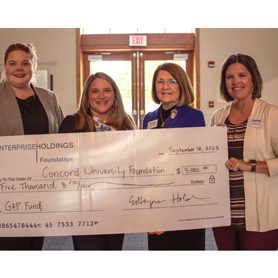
[101,109]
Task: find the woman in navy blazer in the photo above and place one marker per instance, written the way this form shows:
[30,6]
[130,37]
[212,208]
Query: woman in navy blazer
[172,89]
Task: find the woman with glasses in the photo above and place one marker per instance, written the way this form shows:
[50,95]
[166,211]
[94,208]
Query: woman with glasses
[171,88]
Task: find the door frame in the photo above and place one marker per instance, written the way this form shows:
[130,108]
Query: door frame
[95,43]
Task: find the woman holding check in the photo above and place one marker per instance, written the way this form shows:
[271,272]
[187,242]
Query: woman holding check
[25,109]
[252,132]
[101,109]
[172,89]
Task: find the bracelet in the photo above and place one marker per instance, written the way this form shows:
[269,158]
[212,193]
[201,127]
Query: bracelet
[253,163]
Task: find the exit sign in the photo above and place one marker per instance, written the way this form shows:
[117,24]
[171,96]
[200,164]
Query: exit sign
[137,40]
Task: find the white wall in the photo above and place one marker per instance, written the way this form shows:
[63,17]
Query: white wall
[56,50]
[217,44]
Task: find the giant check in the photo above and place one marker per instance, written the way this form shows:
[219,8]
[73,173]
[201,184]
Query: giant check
[113,182]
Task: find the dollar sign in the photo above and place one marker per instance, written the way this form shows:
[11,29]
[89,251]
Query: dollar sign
[178,171]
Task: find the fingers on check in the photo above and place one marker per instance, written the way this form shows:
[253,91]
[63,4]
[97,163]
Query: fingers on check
[155,233]
[232,164]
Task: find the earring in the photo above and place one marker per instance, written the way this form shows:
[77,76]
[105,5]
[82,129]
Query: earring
[115,104]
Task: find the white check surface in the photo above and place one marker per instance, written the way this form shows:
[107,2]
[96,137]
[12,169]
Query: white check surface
[113,182]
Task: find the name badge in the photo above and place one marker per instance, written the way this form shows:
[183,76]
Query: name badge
[256,123]
[152,124]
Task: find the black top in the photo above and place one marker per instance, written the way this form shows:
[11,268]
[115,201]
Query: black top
[68,124]
[33,115]
[164,116]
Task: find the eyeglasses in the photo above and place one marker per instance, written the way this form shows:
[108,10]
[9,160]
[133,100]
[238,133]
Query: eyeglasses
[169,82]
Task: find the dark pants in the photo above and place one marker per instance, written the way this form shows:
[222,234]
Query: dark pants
[228,239]
[21,243]
[98,242]
[178,240]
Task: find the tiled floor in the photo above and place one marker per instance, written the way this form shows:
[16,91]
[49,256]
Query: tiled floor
[131,242]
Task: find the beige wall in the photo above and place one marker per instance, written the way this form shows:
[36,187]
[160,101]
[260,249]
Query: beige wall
[217,44]
[57,52]
[56,49]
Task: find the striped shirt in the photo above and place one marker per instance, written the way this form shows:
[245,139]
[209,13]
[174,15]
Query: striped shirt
[236,135]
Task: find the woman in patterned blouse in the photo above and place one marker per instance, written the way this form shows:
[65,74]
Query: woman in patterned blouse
[101,109]
[252,133]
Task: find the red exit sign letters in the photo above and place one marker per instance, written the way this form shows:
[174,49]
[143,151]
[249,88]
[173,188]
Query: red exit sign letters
[137,40]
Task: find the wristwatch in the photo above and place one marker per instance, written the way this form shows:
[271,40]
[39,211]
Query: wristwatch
[253,163]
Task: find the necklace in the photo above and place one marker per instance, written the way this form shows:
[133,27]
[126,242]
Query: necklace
[163,122]
[168,114]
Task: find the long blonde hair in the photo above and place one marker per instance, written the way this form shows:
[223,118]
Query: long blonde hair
[118,118]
